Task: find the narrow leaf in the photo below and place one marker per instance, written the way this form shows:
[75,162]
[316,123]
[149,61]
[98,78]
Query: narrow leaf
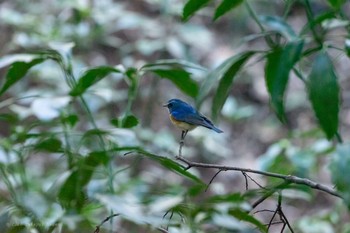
[172,63]
[192,6]
[91,77]
[181,79]
[279,63]
[318,19]
[72,193]
[215,75]
[336,3]
[226,6]
[10,59]
[226,82]
[50,145]
[278,24]
[171,165]
[244,216]
[232,198]
[323,91]
[17,71]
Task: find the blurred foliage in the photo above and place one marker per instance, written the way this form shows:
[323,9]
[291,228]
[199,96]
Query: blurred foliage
[83,135]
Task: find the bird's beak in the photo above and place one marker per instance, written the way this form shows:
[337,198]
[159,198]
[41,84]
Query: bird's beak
[165,105]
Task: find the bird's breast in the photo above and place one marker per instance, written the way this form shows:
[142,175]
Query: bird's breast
[181,124]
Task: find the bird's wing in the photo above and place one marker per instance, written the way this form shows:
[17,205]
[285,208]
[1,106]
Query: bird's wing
[193,118]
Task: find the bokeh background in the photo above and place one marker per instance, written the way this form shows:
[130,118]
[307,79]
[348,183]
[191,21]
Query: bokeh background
[131,34]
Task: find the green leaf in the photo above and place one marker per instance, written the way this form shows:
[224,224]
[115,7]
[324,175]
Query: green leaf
[17,71]
[192,6]
[317,20]
[218,73]
[50,145]
[95,132]
[176,71]
[10,118]
[244,216]
[231,198]
[171,165]
[130,121]
[323,92]
[278,24]
[279,63]
[126,122]
[90,77]
[181,79]
[226,81]
[71,119]
[96,158]
[336,3]
[175,63]
[339,167]
[226,6]
[10,59]
[71,194]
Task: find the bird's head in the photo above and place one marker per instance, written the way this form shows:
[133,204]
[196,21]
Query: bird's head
[174,104]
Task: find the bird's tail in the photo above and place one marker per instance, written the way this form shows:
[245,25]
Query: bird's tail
[217,129]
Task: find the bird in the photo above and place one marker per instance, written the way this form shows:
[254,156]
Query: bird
[186,117]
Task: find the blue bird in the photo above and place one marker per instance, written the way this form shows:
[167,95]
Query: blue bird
[185,117]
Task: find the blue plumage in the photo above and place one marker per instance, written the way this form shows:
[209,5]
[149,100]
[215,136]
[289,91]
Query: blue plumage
[186,117]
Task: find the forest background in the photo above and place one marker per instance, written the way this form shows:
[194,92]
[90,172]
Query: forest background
[86,145]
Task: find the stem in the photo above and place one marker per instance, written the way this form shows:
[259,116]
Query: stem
[253,14]
[310,17]
[299,75]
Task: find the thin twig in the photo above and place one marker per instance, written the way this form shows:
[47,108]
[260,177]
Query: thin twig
[262,199]
[269,194]
[182,141]
[275,223]
[105,220]
[273,216]
[284,226]
[180,148]
[212,179]
[287,178]
[259,185]
[282,215]
[263,210]
[246,180]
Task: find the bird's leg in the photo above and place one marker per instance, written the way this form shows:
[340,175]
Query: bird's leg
[182,141]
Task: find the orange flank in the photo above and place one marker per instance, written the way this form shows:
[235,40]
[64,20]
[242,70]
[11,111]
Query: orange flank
[182,125]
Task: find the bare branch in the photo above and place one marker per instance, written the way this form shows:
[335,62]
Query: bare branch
[269,193]
[282,215]
[182,141]
[246,180]
[287,178]
[260,186]
[273,216]
[263,210]
[212,179]
[97,230]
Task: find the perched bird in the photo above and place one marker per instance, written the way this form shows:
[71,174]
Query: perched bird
[187,118]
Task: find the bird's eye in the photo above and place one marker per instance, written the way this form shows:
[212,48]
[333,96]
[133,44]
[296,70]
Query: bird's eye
[170,105]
